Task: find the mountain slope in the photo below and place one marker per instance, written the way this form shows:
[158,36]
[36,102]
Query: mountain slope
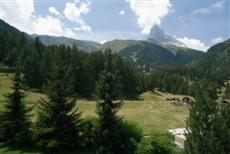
[88,46]
[11,42]
[217,60]
[118,45]
[185,55]
[152,54]
[12,30]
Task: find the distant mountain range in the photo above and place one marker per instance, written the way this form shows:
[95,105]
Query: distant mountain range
[81,44]
[158,49]
[150,54]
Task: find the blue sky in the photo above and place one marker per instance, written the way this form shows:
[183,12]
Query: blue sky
[197,23]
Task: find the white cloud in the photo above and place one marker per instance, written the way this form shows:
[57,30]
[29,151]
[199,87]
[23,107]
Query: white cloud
[122,12]
[53,10]
[22,15]
[19,14]
[213,7]
[217,40]
[42,26]
[83,27]
[193,43]
[73,12]
[149,12]
[103,41]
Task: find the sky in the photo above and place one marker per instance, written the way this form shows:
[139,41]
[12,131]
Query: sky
[197,23]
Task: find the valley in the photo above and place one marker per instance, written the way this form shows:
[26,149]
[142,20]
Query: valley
[150,111]
[147,88]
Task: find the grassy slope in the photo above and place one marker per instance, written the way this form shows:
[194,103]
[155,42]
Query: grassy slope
[150,111]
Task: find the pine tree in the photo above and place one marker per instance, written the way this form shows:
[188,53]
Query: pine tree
[202,134]
[14,120]
[223,127]
[58,119]
[106,88]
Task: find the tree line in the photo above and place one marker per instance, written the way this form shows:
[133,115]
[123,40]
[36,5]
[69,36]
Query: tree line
[35,62]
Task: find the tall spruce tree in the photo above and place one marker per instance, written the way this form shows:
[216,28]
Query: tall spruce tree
[58,119]
[202,133]
[222,125]
[106,88]
[14,120]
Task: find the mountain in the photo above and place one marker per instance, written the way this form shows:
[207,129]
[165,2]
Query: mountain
[52,40]
[158,35]
[12,30]
[217,60]
[138,52]
[88,46]
[118,45]
[152,54]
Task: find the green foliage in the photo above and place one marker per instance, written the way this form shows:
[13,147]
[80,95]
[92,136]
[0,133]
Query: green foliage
[58,119]
[157,144]
[207,125]
[89,132]
[128,135]
[14,120]
[223,129]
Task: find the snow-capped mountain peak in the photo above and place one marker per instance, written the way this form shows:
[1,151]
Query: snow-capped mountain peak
[157,34]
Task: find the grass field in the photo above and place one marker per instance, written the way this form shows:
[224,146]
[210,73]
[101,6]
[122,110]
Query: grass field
[151,112]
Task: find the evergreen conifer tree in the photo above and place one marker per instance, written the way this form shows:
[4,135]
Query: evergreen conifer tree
[58,119]
[202,133]
[14,120]
[223,127]
[106,88]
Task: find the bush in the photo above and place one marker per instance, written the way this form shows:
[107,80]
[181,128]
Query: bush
[89,132]
[129,136]
[157,144]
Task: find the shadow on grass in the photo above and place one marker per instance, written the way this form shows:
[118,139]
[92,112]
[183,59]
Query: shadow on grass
[5,149]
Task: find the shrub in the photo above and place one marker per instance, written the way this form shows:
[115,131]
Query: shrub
[89,132]
[129,136]
[157,144]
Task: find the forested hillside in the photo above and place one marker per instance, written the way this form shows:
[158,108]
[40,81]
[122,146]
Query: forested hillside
[35,61]
[217,60]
